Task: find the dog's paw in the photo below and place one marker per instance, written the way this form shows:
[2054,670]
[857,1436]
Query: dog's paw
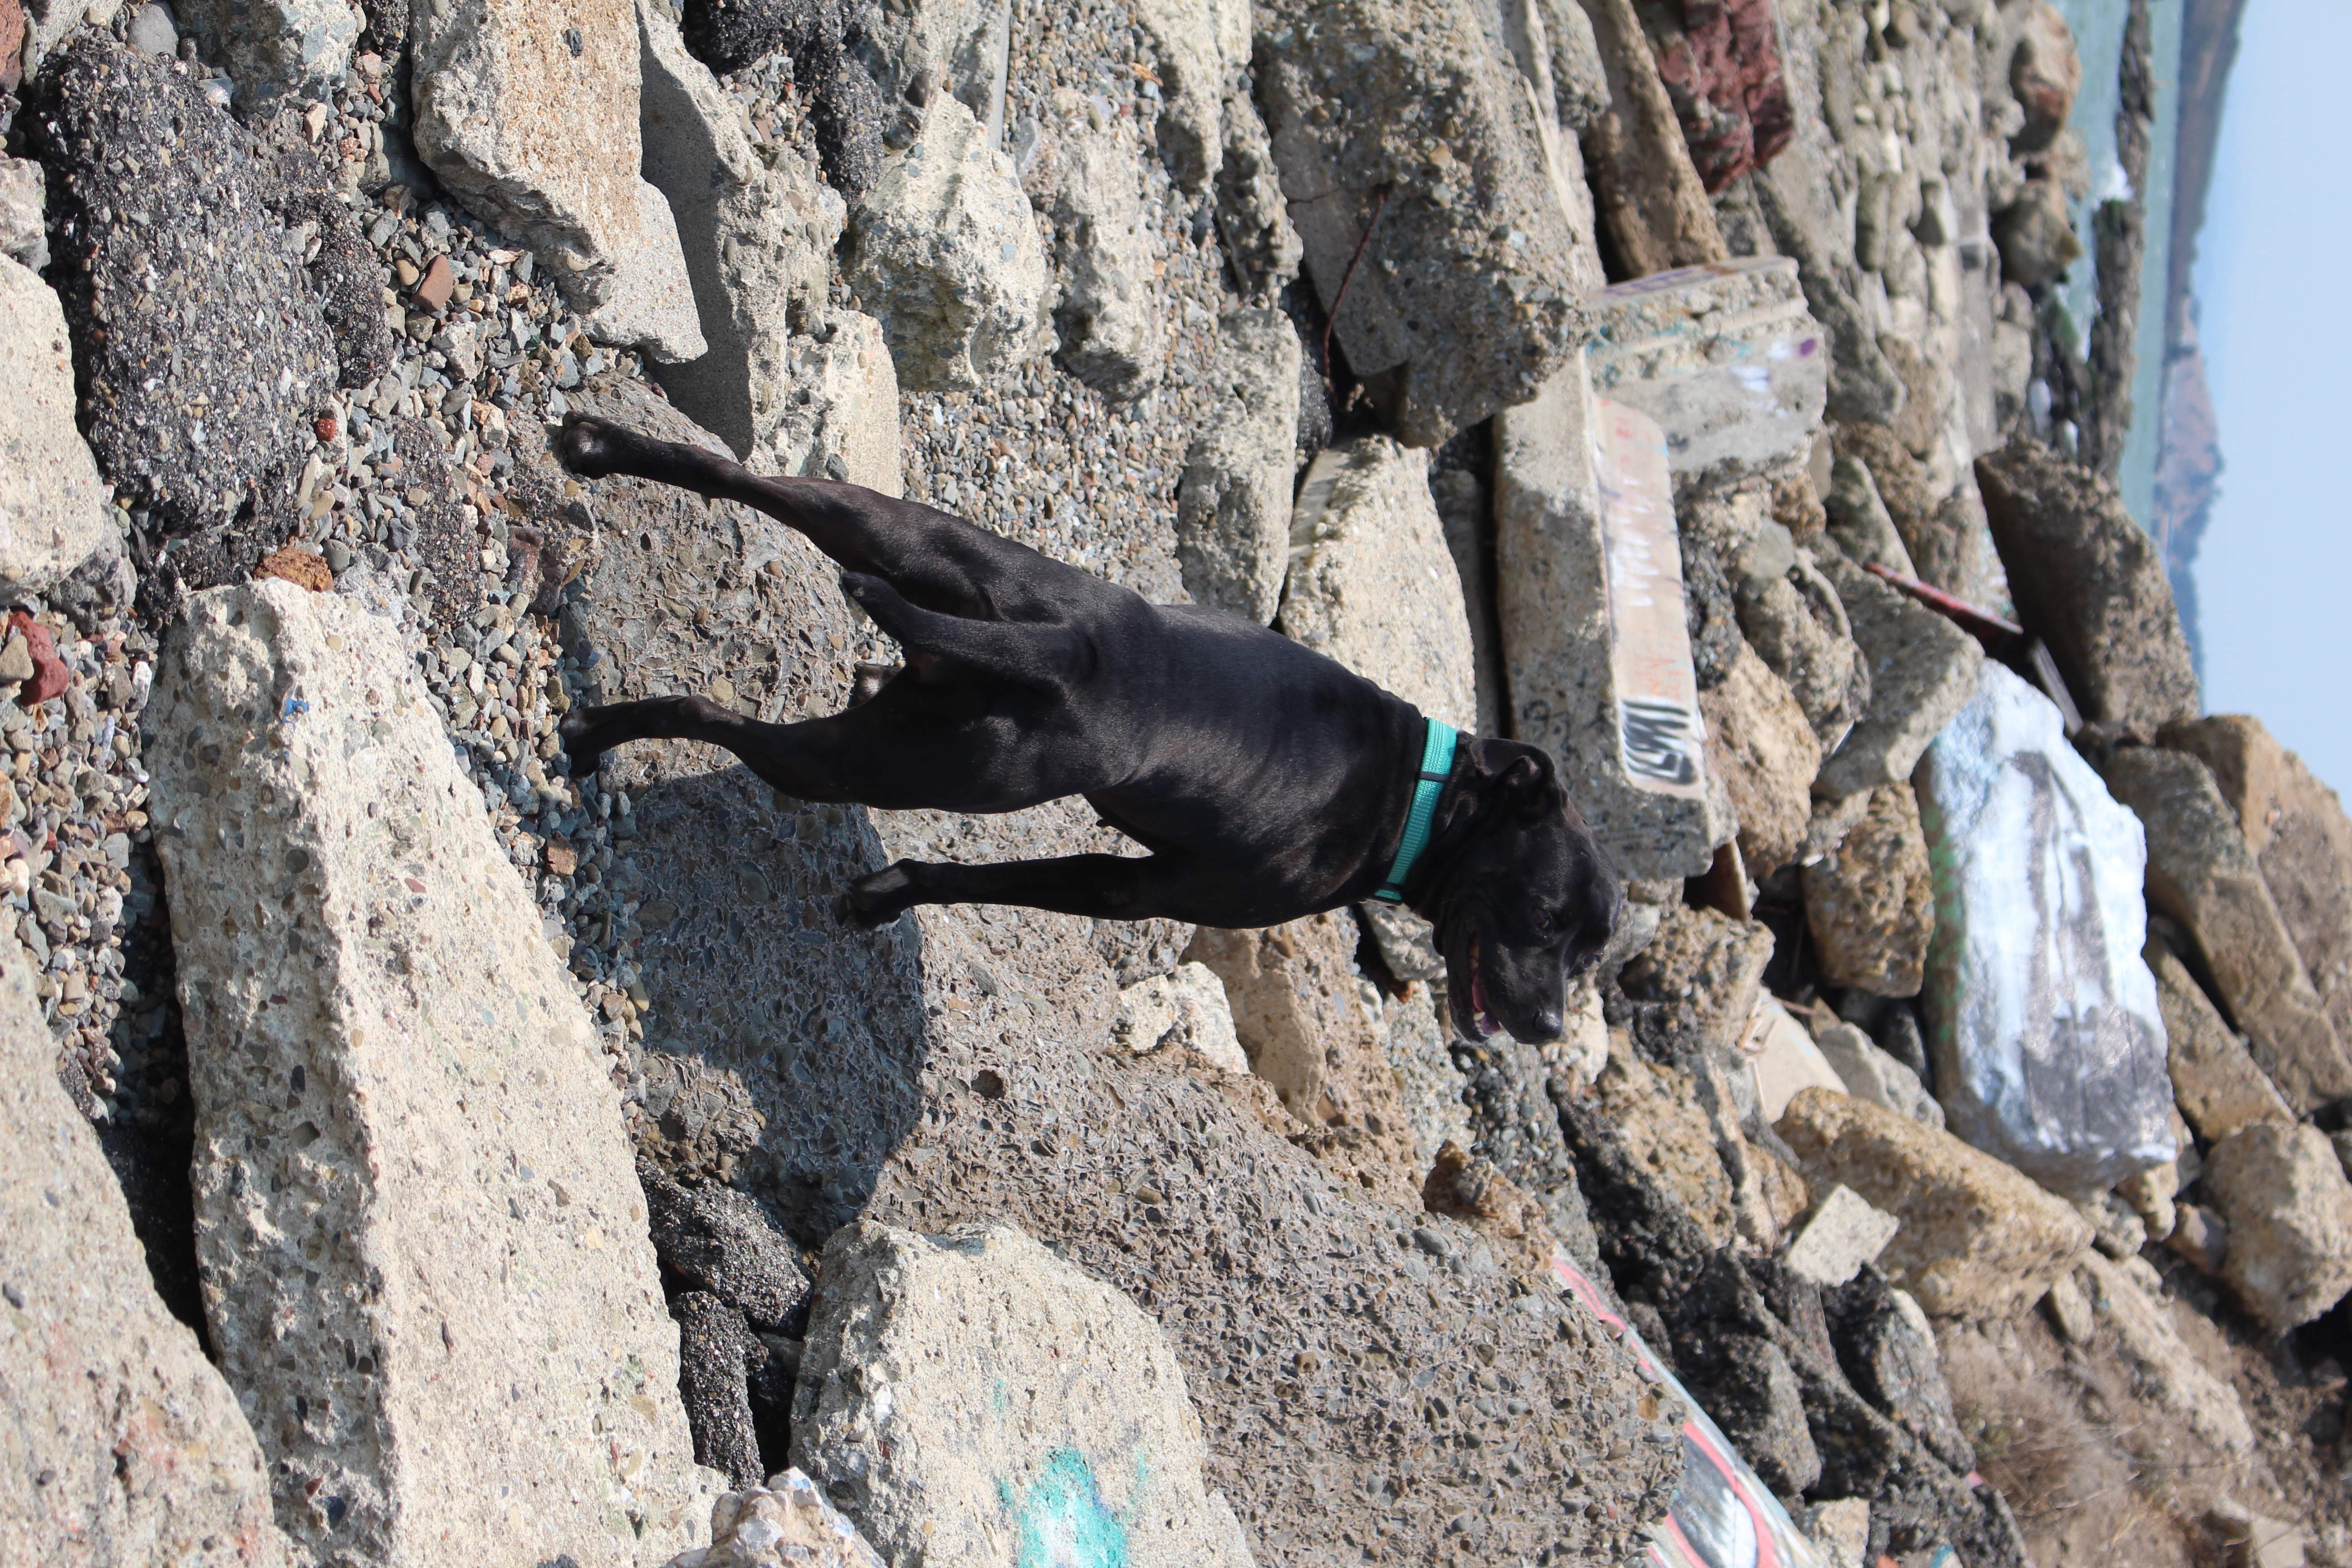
[577,735]
[588,445]
[876,899]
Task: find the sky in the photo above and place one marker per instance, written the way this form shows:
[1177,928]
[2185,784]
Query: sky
[2274,286]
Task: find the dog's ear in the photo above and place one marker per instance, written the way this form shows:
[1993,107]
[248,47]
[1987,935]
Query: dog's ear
[1532,786]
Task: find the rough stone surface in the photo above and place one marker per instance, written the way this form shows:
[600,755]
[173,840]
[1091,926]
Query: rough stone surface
[1107,255]
[942,46]
[245,357]
[1698,982]
[2215,1081]
[1859,521]
[1572,582]
[876,1058]
[24,199]
[787,1524]
[1186,1008]
[55,511]
[1371,583]
[1233,503]
[1301,1021]
[122,1444]
[388,1158]
[274,49]
[1843,1233]
[2289,1208]
[1413,1029]
[2044,73]
[1888,1351]
[1870,902]
[970,1389]
[2202,874]
[2297,831]
[1792,618]
[1923,670]
[2165,1367]
[1870,1074]
[944,253]
[1644,182]
[1761,745]
[2090,583]
[2042,1018]
[1979,1240]
[1656,1112]
[718,1354]
[519,107]
[2036,234]
[1466,300]
[789,382]
[1724,357]
[715,1237]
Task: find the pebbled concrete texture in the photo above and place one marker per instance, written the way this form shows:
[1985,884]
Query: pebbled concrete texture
[121,1443]
[422,1247]
[54,510]
[968,1391]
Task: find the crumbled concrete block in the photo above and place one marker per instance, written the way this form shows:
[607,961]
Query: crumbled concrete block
[1724,357]
[2215,1080]
[1187,1008]
[1843,1233]
[787,1524]
[1922,670]
[1590,592]
[2201,873]
[122,1445]
[54,509]
[1979,1240]
[972,1389]
[1371,583]
[424,1249]
[2289,1208]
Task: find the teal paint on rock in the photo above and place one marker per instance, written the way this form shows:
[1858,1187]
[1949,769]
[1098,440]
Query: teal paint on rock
[1062,1520]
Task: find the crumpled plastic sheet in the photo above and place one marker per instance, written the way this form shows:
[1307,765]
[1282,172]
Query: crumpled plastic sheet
[2043,1026]
[1723,1516]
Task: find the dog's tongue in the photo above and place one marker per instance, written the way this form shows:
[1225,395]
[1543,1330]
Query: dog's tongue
[1488,1026]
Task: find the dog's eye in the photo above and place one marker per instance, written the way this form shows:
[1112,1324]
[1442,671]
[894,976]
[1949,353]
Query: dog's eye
[1541,921]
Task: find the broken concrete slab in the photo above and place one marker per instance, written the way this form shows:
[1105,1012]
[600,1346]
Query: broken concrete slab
[2297,832]
[1978,1239]
[1591,600]
[1114,335]
[123,1443]
[1698,981]
[2090,583]
[2042,1019]
[1187,1007]
[389,1158]
[1759,743]
[1871,1074]
[1645,186]
[1842,1234]
[787,1524]
[1922,670]
[276,50]
[964,1390]
[1724,357]
[518,110]
[55,511]
[1784,1059]
[1870,901]
[2167,1369]
[1233,503]
[1468,301]
[1300,1022]
[2215,1080]
[944,253]
[2288,1204]
[1371,583]
[2202,874]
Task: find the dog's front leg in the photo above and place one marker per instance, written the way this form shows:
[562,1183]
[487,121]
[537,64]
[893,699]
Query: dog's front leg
[1105,887]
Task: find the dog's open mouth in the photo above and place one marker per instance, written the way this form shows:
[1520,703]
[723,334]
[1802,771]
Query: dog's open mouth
[1481,1016]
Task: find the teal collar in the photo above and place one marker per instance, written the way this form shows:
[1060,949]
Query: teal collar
[1436,767]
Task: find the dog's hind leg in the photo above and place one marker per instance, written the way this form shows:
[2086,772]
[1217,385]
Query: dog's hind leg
[934,558]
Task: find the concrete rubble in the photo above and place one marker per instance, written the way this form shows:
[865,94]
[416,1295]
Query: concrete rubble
[960,1390]
[2042,1021]
[488,1270]
[1959,1086]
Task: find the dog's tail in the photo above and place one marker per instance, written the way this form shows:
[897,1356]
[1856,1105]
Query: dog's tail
[1026,653]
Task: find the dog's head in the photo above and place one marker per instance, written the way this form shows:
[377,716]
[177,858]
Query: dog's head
[1524,897]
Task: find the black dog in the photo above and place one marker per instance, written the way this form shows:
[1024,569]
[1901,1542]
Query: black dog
[1267,781]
